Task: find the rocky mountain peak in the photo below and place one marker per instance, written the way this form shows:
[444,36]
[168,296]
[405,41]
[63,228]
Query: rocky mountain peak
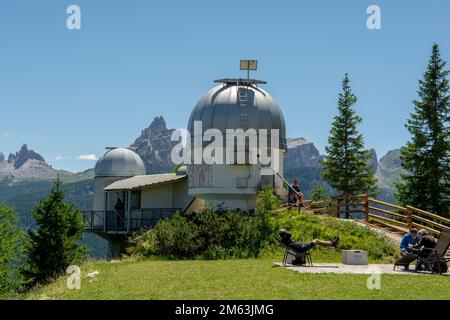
[22,156]
[2,157]
[301,153]
[373,160]
[154,146]
[390,169]
[158,125]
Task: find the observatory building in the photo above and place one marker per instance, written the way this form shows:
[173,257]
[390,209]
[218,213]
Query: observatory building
[236,104]
[127,198]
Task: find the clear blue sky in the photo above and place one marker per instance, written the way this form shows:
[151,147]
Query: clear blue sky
[68,93]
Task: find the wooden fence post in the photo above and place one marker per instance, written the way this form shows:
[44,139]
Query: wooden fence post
[337,208]
[366,208]
[409,217]
[347,202]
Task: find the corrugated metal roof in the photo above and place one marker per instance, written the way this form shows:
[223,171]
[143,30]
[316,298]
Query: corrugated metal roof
[143,181]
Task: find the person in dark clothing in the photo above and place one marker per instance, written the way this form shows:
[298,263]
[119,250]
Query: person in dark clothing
[120,213]
[426,241]
[303,247]
[297,197]
[424,246]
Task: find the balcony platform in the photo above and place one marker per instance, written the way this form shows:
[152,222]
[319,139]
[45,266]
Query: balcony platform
[124,222]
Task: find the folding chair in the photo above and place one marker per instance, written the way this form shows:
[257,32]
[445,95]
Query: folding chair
[303,257]
[435,260]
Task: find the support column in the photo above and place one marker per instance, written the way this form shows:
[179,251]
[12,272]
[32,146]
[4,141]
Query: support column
[129,226]
[105,211]
[116,247]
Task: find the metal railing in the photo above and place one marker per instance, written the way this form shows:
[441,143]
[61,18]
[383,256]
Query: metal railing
[125,221]
[148,217]
[93,220]
[290,190]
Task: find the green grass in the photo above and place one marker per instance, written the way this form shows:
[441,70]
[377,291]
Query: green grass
[158,278]
[234,279]
[306,227]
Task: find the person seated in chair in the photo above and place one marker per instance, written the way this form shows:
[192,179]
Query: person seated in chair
[303,247]
[424,246]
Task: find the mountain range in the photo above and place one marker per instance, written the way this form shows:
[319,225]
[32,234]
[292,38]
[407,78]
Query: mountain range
[302,161]
[28,165]
[25,177]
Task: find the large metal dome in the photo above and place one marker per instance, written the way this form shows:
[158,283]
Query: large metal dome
[119,162]
[238,104]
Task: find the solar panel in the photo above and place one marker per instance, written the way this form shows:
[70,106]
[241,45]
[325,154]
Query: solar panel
[249,64]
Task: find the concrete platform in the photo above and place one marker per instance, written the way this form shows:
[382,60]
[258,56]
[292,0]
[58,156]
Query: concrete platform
[352,269]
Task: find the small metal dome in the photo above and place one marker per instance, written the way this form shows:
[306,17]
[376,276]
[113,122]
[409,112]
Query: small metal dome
[119,162]
[238,104]
[182,171]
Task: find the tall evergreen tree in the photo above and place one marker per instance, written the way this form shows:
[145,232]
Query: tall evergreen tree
[346,163]
[426,157]
[53,246]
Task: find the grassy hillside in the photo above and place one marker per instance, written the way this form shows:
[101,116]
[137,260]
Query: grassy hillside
[156,278]
[306,227]
[234,279]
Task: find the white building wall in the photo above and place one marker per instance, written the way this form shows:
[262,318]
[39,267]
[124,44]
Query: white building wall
[171,195]
[181,198]
[99,195]
[157,197]
[231,185]
[227,176]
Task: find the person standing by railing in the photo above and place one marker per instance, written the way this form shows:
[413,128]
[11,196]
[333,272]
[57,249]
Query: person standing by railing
[119,207]
[297,195]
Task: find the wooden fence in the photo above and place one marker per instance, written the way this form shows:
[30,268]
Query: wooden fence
[396,218]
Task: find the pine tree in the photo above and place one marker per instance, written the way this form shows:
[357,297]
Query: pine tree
[426,156]
[319,193]
[53,246]
[346,163]
[11,241]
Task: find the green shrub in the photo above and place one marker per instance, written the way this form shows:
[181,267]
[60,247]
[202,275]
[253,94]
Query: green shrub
[208,234]
[216,234]
[211,233]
